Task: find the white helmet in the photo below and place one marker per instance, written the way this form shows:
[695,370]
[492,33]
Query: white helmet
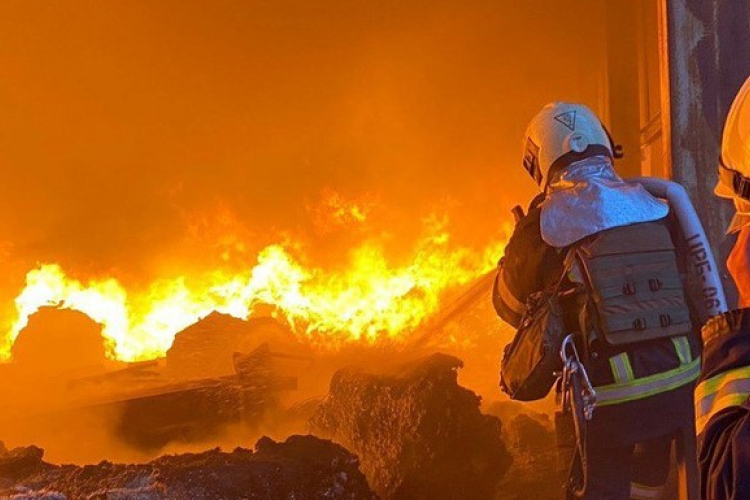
[560,134]
[734,167]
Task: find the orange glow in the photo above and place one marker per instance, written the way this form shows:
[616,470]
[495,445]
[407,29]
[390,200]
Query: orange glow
[334,211]
[370,300]
[151,151]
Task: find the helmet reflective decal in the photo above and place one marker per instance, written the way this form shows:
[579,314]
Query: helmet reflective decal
[568,119]
[531,161]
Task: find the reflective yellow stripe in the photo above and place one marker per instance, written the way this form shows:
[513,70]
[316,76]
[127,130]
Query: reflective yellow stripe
[507,296]
[641,388]
[718,393]
[621,369]
[643,492]
[682,346]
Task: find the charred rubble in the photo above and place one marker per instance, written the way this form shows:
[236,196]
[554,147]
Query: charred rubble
[219,372]
[530,438]
[49,333]
[418,434]
[206,348]
[301,468]
[199,409]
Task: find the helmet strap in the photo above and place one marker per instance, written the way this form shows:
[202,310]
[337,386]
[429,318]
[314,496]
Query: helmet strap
[617,151]
[739,184]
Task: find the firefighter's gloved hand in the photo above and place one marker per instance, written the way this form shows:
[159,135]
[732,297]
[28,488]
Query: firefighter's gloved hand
[738,265]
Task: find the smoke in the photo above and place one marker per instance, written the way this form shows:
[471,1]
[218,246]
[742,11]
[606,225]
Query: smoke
[127,124]
[143,140]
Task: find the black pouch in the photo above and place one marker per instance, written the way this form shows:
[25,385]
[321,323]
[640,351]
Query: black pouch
[529,365]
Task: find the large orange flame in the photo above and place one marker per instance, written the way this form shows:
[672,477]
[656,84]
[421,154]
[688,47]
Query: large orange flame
[369,300]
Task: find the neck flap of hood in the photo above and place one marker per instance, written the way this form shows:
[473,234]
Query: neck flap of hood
[589,197]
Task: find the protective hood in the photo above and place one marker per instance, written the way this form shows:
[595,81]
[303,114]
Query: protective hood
[589,197]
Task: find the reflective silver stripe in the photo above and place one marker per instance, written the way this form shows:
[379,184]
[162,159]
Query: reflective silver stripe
[643,492]
[648,386]
[507,296]
[621,369]
[718,393]
[682,346]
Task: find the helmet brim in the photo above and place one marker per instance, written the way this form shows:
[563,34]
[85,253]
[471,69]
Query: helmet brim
[723,191]
[739,221]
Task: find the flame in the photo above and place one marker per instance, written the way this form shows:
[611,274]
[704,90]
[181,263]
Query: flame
[370,300]
[335,211]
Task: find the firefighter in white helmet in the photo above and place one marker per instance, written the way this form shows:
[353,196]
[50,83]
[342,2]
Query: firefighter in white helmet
[721,397]
[635,322]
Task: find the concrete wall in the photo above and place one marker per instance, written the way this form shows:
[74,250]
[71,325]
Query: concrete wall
[709,59]
[622,73]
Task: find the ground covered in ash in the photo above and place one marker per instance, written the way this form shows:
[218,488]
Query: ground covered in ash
[301,468]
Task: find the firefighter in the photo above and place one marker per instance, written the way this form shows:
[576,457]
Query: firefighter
[642,360]
[721,397]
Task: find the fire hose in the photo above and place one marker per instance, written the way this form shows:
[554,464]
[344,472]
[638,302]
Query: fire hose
[701,259]
[577,403]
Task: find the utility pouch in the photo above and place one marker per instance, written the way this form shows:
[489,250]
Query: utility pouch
[634,284]
[531,362]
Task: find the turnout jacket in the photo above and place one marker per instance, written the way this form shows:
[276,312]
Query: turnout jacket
[644,390]
[722,408]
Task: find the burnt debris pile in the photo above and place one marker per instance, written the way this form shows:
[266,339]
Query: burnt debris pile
[401,414]
[419,435]
[530,438]
[205,349]
[43,347]
[18,463]
[302,467]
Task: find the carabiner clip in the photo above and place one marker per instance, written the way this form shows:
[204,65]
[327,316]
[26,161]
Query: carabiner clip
[571,366]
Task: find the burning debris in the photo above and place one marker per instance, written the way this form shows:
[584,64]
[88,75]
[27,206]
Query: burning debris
[143,405]
[206,348]
[199,409]
[417,432]
[44,345]
[302,467]
[419,435]
[369,299]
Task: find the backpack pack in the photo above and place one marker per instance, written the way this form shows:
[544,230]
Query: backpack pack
[634,287]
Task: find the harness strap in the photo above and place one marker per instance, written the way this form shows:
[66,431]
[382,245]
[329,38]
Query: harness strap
[682,347]
[621,368]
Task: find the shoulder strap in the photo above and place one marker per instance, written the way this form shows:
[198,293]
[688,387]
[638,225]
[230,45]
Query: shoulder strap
[570,258]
